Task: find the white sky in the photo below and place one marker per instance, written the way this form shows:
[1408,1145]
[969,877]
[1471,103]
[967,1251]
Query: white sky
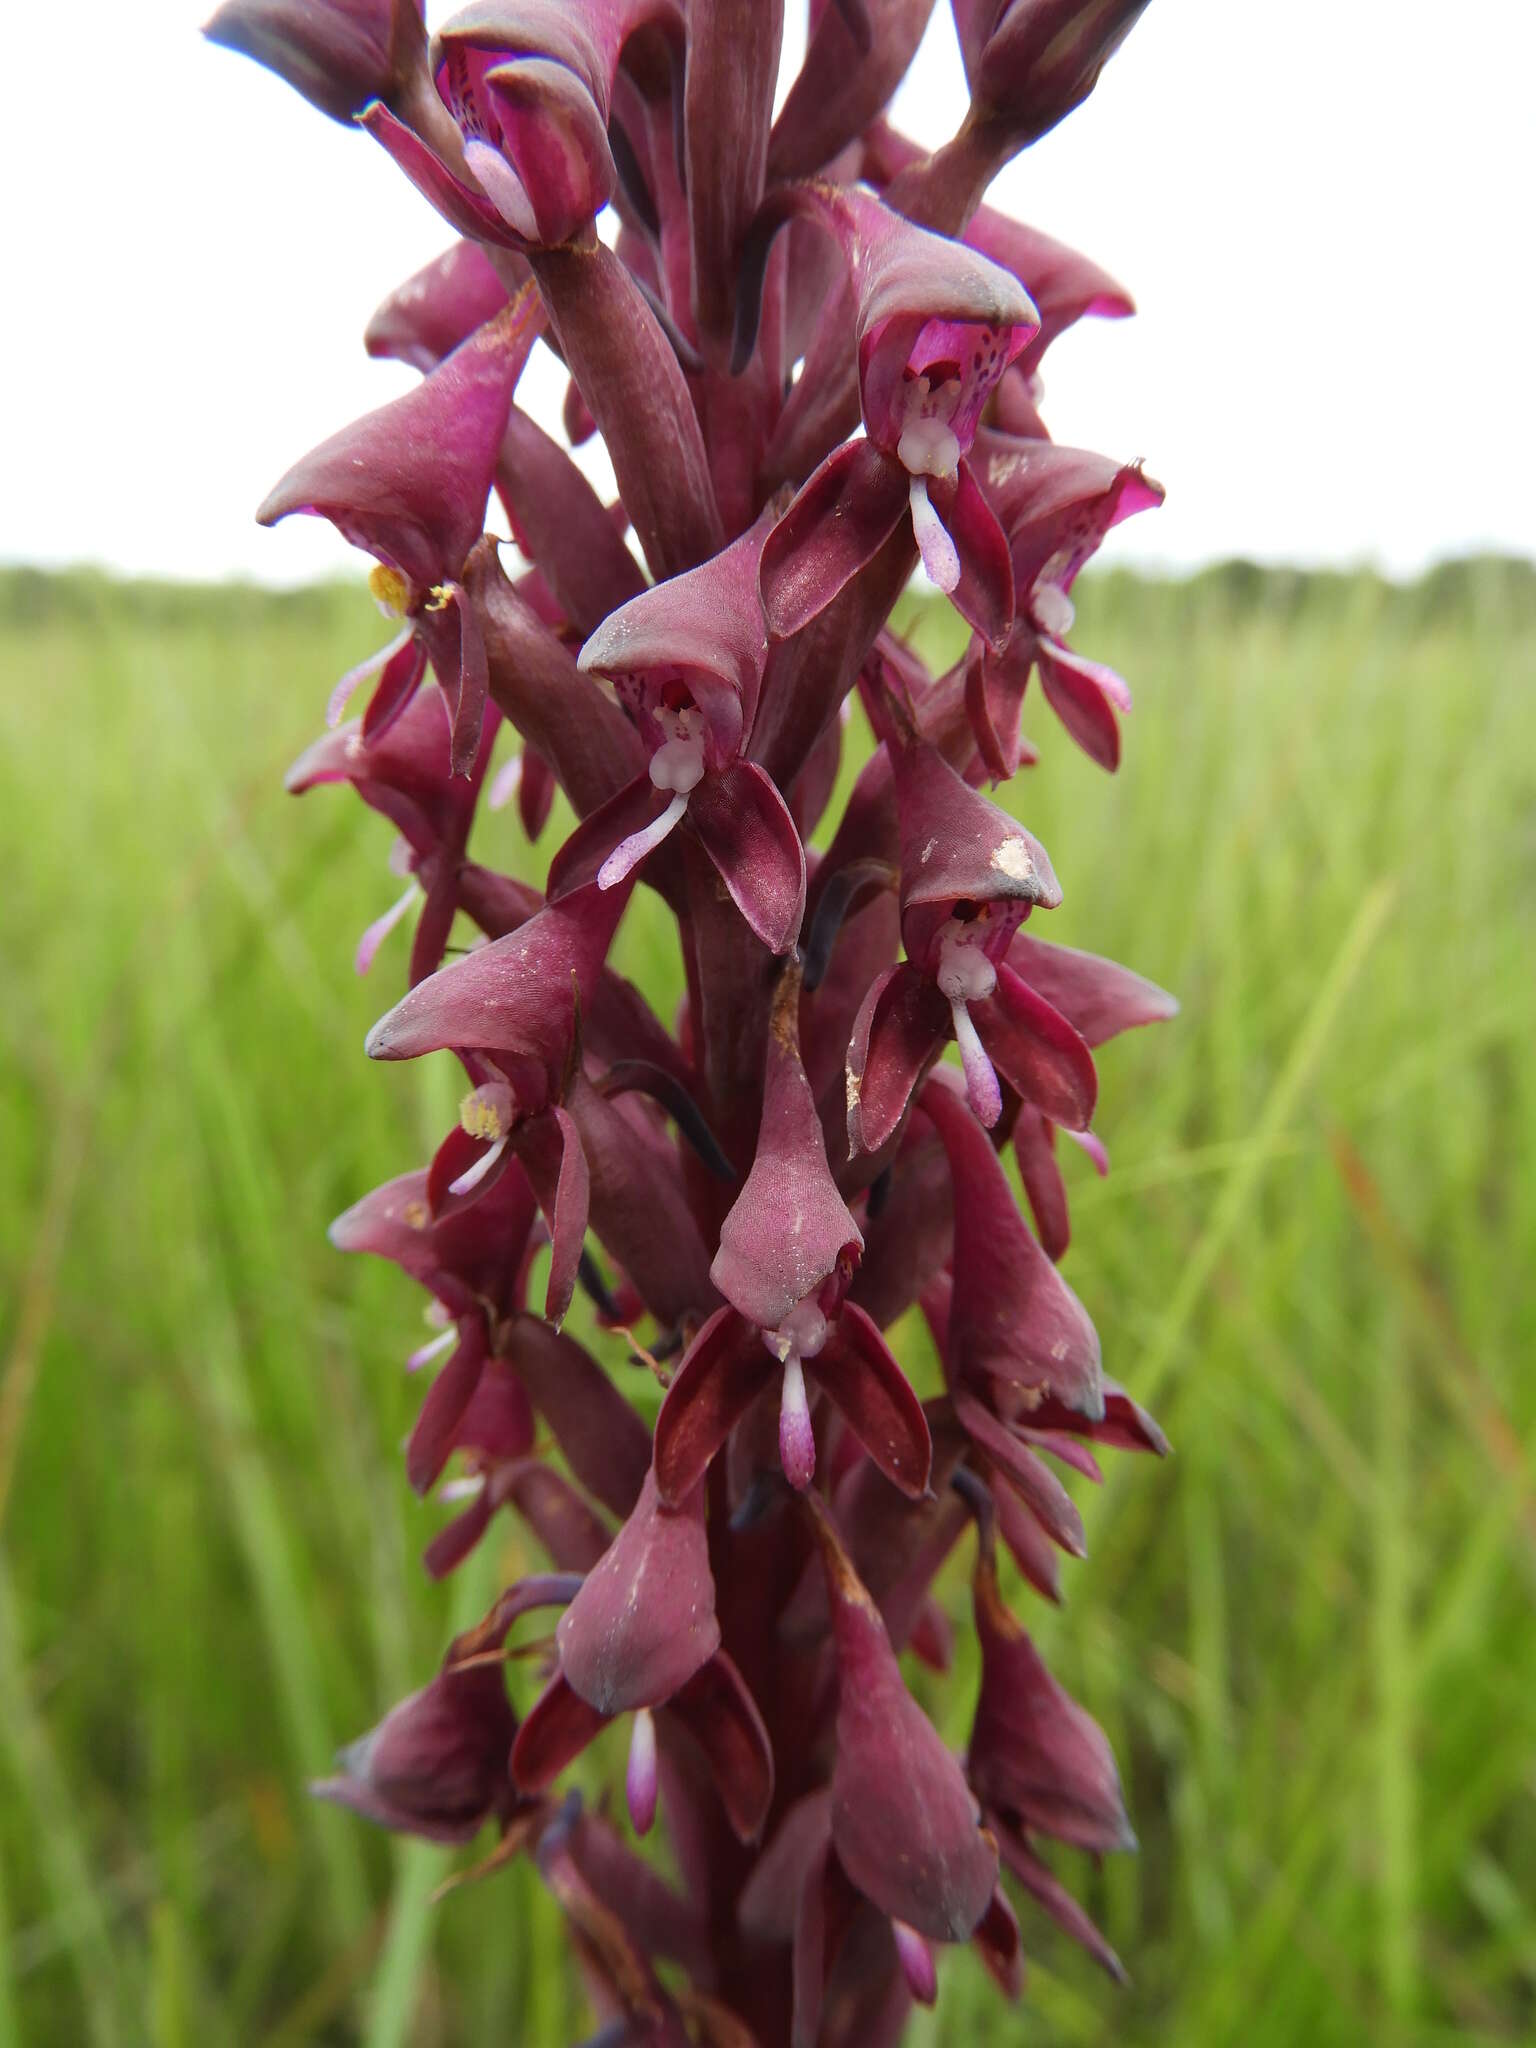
[1321,207]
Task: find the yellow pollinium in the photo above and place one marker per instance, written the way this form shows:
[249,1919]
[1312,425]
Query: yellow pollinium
[481,1117]
[390,589]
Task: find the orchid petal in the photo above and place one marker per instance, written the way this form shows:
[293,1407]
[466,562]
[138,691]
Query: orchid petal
[941,559]
[871,1391]
[640,1773]
[396,690]
[1034,1751]
[981,588]
[644,1620]
[724,1370]
[723,1718]
[1037,1051]
[428,316]
[463,206]
[448,1398]
[981,1087]
[556,1729]
[514,995]
[1083,696]
[1041,1883]
[841,518]
[410,481]
[903,1824]
[789,1231]
[376,933]
[341,696]
[899,1030]
[1030,1478]
[551,1151]
[629,853]
[436,1764]
[1034,1148]
[338,57]
[844,83]
[1013,1315]
[1098,997]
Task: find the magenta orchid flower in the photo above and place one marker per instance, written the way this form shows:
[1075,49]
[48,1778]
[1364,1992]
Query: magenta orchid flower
[787,1250]
[1055,506]
[935,326]
[811,357]
[403,772]
[530,85]
[409,483]
[436,1764]
[685,658]
[969,876]
[656,1657]
[1035,1757]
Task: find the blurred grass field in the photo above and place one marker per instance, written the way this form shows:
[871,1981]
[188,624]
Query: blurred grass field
[1309,1633]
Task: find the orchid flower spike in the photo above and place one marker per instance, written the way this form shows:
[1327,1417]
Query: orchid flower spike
[810,359]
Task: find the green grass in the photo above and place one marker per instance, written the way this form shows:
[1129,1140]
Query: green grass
[1309,1632]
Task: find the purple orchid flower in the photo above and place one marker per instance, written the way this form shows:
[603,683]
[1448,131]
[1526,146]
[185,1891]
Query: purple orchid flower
[805,384]
[1012,1317]
[969,875]
[403,772]
[904,1826]
[1055,505]
[661,1663]
[686,659]
[530,85]
[435,1765]
[513,146]
[620,1655]
[1064,285]
[1034,1755]
[409,483]
[935,326]
[516,1004]
[787,1249]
